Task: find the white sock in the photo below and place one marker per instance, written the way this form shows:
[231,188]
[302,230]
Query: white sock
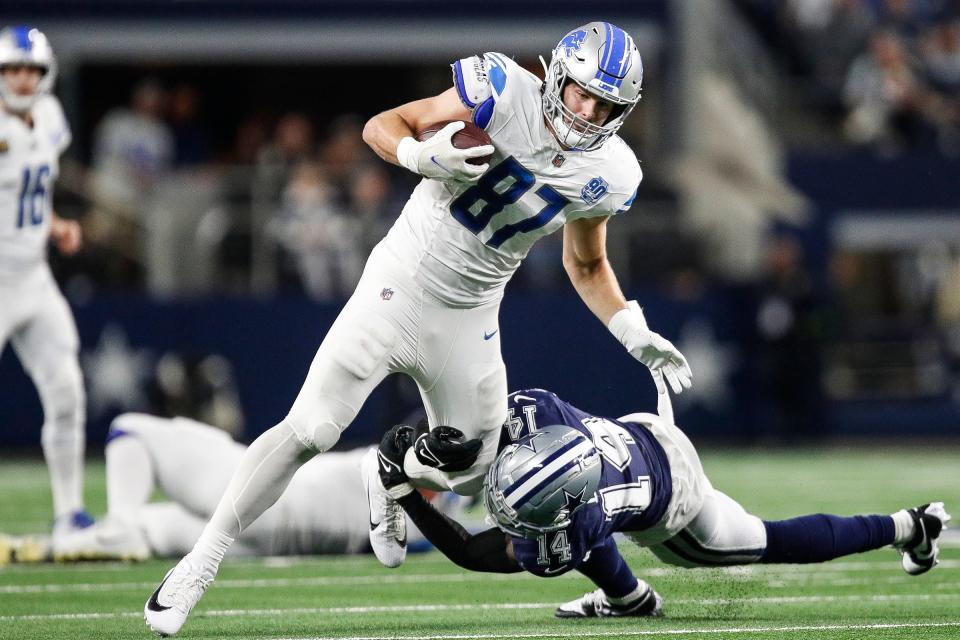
[62,436]
[130,480]
[63,446]
[631,597]
[903,526]
[210,548]
[264,472]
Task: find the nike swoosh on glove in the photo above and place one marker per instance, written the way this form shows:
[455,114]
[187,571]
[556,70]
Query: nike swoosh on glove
[444,448]
[437,158]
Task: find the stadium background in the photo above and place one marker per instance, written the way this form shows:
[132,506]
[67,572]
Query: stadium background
[797,233]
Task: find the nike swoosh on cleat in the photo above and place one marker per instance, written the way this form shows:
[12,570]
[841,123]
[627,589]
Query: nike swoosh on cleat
[153,604]
[373,525]
[487,336]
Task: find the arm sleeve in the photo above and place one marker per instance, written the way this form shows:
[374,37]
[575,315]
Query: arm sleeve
[608,570]
[485,551]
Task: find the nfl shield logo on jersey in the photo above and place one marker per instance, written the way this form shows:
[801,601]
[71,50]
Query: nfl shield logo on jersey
[594,190]
[559,159]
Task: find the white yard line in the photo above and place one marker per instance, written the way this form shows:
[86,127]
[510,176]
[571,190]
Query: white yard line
[651,632]
[415,608]
[784,578]
[267,582]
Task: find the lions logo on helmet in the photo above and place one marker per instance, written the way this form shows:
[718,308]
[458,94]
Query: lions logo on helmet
[603,59]
[536,484]
[26,46]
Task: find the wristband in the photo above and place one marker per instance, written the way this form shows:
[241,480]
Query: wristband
[405,154]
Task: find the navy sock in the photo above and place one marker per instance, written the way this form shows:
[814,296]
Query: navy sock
[822,537]
[608,570]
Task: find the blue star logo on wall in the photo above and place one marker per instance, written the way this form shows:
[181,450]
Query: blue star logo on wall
[712,362]
[116,372]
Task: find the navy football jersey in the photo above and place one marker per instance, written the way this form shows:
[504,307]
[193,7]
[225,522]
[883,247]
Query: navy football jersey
[635,485]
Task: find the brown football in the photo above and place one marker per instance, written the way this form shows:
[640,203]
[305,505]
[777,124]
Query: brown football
[470,136]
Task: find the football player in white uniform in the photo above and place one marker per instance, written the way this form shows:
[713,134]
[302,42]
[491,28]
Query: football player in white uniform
[428,300]
[323,510]
[34,315]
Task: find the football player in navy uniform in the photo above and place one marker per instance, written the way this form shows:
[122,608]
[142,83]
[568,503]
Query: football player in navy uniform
[565,481]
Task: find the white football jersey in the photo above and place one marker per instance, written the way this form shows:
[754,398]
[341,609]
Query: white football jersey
[463,241]
[29,165]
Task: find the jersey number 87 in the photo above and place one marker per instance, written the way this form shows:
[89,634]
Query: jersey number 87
[485,193]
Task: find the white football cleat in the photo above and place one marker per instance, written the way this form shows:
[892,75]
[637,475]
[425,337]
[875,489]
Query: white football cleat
[921,553]
[595,605]
[388,523]
[63,540]
[108,539]
[171,603]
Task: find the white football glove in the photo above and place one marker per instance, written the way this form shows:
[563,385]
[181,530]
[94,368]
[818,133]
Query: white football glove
[437,158]
[630,328]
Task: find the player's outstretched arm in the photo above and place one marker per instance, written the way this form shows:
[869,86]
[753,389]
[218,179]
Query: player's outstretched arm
[488,551]
[391,135]
[585,261]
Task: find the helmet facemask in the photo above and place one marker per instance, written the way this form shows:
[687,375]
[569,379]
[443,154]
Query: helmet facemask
[580,58]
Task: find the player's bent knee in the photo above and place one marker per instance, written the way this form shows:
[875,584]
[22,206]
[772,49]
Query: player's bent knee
[315,436]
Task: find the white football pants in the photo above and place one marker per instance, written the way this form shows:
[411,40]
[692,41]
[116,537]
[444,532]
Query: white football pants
[36,319]
[391,324]
[702,527]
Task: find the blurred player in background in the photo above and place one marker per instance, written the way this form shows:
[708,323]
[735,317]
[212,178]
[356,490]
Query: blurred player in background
[323,510]
[565,481]
[428,301]
[34,315]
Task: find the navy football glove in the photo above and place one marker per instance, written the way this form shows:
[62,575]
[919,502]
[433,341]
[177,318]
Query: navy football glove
[393,448]
[445,449]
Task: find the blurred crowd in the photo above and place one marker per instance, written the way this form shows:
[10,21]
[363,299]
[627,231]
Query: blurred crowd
[888,70]
[286,207]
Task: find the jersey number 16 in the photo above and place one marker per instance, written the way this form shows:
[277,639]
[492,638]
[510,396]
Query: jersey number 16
[33,196]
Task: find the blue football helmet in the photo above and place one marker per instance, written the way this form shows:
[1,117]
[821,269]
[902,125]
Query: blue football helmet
[26,46]
[536,484]
[605,62]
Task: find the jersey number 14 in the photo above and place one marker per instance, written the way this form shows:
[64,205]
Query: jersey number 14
[33,196]
[486,193]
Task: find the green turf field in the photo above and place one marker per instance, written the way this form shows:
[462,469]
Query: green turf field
[865,596]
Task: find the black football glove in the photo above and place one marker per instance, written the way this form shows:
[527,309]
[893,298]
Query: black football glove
[393,447]
[445,449]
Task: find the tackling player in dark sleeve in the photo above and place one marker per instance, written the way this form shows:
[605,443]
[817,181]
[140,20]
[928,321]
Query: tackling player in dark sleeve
[493,550]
